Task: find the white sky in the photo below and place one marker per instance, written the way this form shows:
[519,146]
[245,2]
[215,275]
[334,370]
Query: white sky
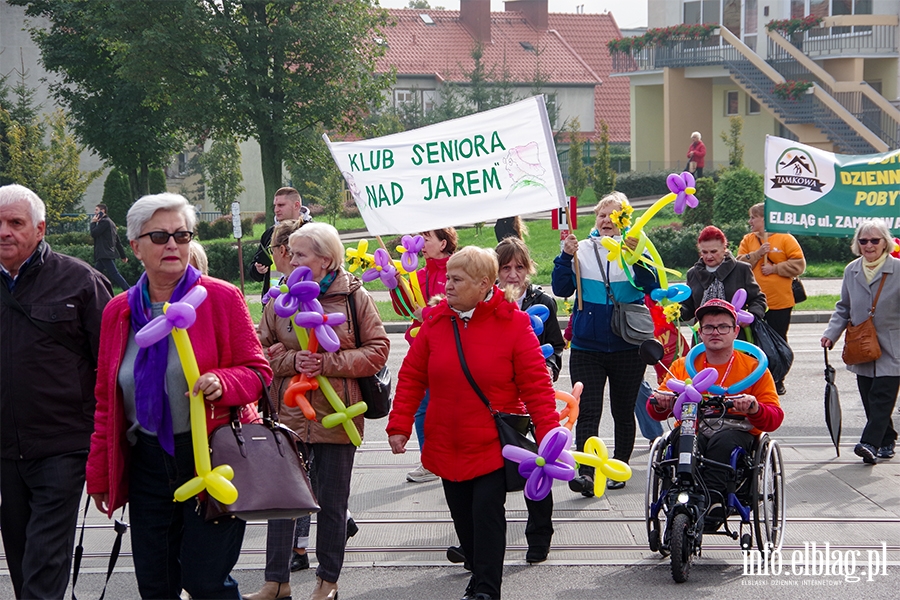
[628,13]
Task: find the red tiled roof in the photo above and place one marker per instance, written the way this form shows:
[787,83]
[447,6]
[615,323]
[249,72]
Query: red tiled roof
[444,49]
[587,34]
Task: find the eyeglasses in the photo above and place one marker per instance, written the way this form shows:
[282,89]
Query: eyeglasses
[867,241]
[722,329]
[162,237]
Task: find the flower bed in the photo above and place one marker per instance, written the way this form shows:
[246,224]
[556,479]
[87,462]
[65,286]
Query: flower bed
[790,26]
[792,89]
[662,36]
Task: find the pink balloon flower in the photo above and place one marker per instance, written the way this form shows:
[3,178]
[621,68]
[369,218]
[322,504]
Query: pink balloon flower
[691,390]
[410,246]
[181,314]
[737,301]
[384,268]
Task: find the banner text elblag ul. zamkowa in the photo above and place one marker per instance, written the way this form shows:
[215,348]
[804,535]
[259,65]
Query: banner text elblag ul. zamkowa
[489,165]
[813,192]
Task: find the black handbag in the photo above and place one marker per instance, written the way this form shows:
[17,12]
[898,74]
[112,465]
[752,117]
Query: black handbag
[781,357]
[269,472]
[512,429]
[798,290]
[375,389]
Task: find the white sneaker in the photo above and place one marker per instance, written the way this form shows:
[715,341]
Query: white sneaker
[420,475]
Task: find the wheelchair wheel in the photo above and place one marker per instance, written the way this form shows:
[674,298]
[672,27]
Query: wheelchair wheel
[655,528]
[767,493]
[682,550]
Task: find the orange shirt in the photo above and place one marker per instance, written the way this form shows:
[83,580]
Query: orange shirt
[777,288]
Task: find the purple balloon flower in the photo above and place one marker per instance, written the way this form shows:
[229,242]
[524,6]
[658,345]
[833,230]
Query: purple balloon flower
[297,292]
[384,268]
[181,314]
[737,301]
[691,390]
[410,246]
[683,188]
[323,325]
[552,461]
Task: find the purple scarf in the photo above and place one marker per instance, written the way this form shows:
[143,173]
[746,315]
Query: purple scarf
[150,398]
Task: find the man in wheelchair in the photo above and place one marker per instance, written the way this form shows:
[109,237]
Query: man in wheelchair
[755,410]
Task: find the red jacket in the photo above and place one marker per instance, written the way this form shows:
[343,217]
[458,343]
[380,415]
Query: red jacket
[505,360]
[699,156]
[224,342]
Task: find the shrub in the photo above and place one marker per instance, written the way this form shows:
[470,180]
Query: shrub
[637,185]
[259,217]
[822,249]
[117,196]
[58,240]
[703,213]
[736,192]
[223,260]
[156,181]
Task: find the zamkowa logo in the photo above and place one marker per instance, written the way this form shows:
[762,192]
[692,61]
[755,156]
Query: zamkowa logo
[796,170]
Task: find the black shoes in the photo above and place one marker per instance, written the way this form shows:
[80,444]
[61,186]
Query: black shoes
[455,555]
[536,554]
[299,562]
[612,484]
[867,452]
[779,387]
[584,485]
[886,452]
[352,528]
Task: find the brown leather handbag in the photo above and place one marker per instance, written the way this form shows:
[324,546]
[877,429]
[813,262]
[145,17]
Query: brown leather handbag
[861,341]
[269,472]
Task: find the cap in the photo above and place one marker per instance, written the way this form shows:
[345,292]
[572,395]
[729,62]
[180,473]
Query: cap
[716,305]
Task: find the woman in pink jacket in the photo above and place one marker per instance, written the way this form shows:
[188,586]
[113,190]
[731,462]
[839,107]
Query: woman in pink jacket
[141,449]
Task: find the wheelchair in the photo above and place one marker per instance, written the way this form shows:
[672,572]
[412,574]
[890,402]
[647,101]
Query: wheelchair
[678,502]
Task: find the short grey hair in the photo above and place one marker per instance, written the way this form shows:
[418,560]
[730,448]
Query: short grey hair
[326,242]
[875,225]
[10,194]
[697,135]
[144,209]
[617,199]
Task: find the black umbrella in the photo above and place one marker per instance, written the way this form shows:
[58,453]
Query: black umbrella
[832,406]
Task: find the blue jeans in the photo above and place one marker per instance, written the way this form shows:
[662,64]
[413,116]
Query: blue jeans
[420,420]
[173,546]
[38,515]
[107,266]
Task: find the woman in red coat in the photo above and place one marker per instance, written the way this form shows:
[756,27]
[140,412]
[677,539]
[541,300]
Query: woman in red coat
[463,449]
[697,154]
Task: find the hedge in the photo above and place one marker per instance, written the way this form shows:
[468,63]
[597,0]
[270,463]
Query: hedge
[637,185]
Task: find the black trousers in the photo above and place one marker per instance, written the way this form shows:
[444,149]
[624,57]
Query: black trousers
[625,371]
[478,509]
[107,266]
[779,320]
[539,528]
[879,396]
[38,514]
[718,448]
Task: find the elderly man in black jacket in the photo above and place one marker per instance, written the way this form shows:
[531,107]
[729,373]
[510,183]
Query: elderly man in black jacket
[50,319]
[107,246]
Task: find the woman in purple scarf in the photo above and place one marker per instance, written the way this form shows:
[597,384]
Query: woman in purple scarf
[141,449]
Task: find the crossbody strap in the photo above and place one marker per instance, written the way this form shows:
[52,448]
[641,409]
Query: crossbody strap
[875,302]
[609,294]
[11,301]
[465,367]
[353,318]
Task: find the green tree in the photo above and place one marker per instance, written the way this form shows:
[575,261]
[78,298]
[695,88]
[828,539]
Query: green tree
[733,142]
[110,114]
[50,168]
[221,167]
[329,194]
[117,196]
[737,190]
[604,178]
[704,213]
[156,181]
[577,173]
[487,87]
[267,70]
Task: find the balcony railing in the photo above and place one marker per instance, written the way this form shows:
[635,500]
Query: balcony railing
[847,40]
[679,54]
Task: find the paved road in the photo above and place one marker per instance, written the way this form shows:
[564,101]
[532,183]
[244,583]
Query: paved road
[599,549]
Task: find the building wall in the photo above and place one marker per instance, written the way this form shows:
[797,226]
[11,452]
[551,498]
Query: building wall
[884,70]
[647,126]
[756,127]
[688,107]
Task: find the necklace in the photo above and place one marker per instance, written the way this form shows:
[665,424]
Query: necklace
[727,368]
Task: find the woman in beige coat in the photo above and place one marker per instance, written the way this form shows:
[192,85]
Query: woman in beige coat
[329,451]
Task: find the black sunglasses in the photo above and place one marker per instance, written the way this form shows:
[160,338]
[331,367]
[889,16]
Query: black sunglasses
[867,241]
[162,237]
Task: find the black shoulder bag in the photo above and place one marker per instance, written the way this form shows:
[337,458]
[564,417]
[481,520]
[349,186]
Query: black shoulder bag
[631,322]
[512,429]
[375,389]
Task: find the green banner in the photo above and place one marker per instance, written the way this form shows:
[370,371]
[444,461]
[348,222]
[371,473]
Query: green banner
[813,192]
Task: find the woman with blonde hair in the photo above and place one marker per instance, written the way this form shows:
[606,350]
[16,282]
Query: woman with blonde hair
[473,329]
